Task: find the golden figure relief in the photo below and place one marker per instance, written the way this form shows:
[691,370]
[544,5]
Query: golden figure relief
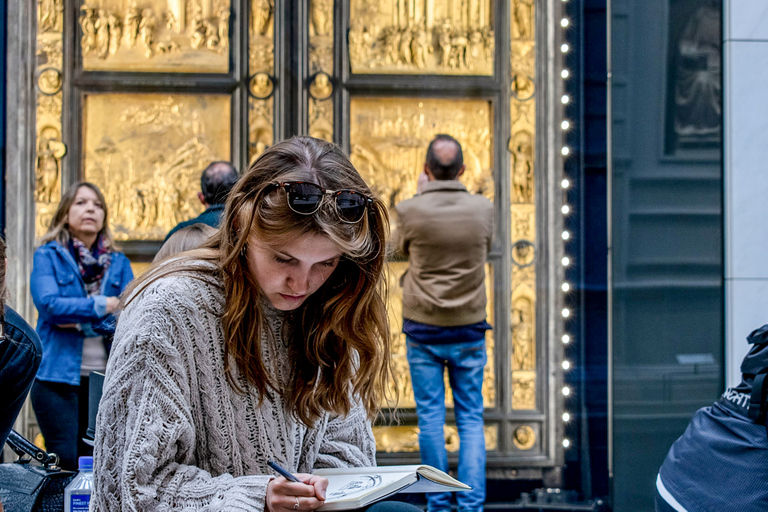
[260,133]
[524,390]
[261,86]
[523,334]
[49,148]
[321,119]
[50,14]
[523,253]
[389,137]
[321,15]
[150,181]
[421,37]
[521,146]
[156,35]
[50,151]
[49,81]
[261,16]
[405,439]
[101,26]
[321,87]
[132,18]
[223,29]
[115,30]
[524,437]
[523,21]
[321,66]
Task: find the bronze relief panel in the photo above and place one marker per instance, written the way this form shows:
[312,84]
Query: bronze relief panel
[261,82]
[146,151]
[181,36]
[49,148]
[389,139]
[321,58]
[445,37]
[521,146]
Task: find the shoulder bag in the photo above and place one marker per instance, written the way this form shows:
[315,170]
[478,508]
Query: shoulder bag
[32,484]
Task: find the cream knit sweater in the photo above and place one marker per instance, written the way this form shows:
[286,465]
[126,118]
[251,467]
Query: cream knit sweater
[172,434]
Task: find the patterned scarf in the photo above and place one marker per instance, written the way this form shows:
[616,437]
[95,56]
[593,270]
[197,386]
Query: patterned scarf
[92,265]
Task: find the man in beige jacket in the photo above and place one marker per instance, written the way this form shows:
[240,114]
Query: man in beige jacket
[446,234]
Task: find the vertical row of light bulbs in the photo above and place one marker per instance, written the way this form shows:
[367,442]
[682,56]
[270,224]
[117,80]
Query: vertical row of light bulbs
[565,209]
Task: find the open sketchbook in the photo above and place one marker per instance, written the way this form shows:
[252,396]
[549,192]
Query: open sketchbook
[350,488]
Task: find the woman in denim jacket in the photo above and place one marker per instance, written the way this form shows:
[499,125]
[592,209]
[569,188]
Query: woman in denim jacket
[76,281]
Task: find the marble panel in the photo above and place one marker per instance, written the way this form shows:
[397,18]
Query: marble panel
[746,154]
[746,308]
[745,20]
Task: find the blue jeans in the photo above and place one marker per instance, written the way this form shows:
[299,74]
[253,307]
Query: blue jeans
[62,412]
[465,363]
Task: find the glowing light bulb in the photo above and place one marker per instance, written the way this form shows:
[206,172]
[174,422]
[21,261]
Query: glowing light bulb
[566,209]
[566,390]
[566,339]
[565,73]
[565,183]
[566,417]
[565,99]
[565,125]
[566,365]
[564,22]
[566,235]
[566,443]
[566,261]
[564,48]
[566,287]
[565,150]
[566,312]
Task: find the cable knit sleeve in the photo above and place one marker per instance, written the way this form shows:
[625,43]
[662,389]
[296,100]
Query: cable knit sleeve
[347,441]
[145,455]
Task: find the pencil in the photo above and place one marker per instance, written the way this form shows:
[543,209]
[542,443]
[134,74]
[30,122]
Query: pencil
[274,465]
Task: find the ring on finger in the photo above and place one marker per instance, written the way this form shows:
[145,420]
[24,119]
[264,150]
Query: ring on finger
[296,506]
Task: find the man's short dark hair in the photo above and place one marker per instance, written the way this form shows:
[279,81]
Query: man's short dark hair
[444,170]
[217,180]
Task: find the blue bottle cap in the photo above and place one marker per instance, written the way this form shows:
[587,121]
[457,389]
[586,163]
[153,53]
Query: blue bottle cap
[85,463]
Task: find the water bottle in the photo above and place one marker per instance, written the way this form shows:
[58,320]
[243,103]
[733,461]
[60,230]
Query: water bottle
[77,495]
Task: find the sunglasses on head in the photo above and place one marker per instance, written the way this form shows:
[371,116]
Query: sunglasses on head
[305,198]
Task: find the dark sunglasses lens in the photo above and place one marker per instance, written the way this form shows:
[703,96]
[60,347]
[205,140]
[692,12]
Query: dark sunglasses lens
[304,197]
[351,205]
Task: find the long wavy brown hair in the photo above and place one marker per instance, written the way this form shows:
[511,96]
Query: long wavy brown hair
[340,339]
[58,229]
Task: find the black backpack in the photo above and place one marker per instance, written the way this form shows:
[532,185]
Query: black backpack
[756,364]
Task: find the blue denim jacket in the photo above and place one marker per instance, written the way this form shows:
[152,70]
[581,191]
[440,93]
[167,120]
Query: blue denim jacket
[59,294]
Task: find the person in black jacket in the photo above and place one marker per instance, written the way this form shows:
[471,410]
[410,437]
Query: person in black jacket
[20,355]
[720,463]
[215,183]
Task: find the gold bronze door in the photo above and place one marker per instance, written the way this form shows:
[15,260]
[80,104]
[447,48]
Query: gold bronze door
[138,96]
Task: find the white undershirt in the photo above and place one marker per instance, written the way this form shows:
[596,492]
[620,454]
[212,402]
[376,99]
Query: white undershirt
[94,356]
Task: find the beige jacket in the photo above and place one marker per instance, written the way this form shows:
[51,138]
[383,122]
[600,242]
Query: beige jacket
[445,232]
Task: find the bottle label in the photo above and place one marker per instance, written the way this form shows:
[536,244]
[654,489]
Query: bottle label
[79,502]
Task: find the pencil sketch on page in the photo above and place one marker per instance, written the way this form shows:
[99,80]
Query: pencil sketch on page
[360,484]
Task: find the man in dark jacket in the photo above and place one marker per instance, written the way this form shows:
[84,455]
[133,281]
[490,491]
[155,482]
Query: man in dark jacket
[20,355]
[720,463]
[215,183]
